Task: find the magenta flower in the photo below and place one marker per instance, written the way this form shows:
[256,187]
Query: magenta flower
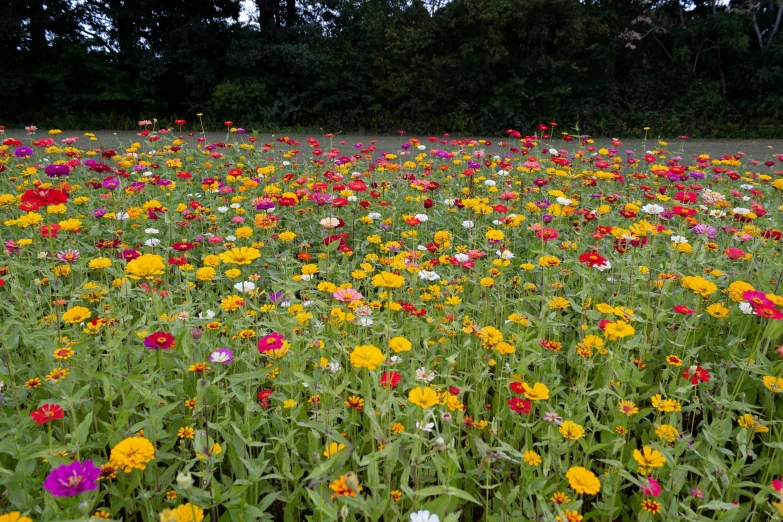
[273,341]
[652,489]
[72,479]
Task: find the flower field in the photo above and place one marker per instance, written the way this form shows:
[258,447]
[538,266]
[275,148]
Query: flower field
[526,328]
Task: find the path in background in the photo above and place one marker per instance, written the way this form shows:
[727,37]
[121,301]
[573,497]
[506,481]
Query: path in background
[755,149]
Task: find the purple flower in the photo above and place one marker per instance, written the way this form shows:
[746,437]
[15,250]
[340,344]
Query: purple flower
[552,416]
[546,218]
[222,356]
[72,479]
[57,171]
[111,184]
[702,229]
[23,152]
[99,212]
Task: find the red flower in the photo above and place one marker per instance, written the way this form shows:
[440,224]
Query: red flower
[682,309]
[390,379]
[47,413]
[517,387]
[697,375]
[160,341]
[263,398]
[592,259]
[519,405]
[44,197]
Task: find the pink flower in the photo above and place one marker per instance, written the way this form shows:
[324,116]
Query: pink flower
[734,253]
[268,343]
[777,485]
[347,295]
[652,489]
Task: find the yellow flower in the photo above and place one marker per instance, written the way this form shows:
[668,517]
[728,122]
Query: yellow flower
[717,310]
[387,280]
[145,266]
[423,397]
[400,344]
[560,303]
[289,403]
[99,262]
[532,458]
[583,481]
[618,329]
[699,285]
[184,513]
[648,458]
[736,289]
[548,261]
[287,236]
[206,273]
[14,516]
[667,405]
[571,430]
[537,392]
[132,453]
[332,449]
[240,256]
[774,384]
[667,432]
[628,408]
[77,314]
[367,356]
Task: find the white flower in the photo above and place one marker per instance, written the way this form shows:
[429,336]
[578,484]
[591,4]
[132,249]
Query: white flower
[448,202]
[334,367]
[605,266]
[307,277]
[422,217]
[330,222]
[286,163]
[652,209]
[468,224]
[717,213]
[222,210]
[366,321]
[746,308]
[747,186]
[502,173]
[740,210]
[121,216]
[490,183]
[505,254]
[394,359]
[564,201]
[151,231]
[209,314]
[428,427]
[424,516]
[461,257]
[422,147]
[745,198]
[152,242]
[245,286]
[679,239]
[554,151]
[422,374]
[231,238]
[374,215]
[352,198]
[428,275]
[236,205]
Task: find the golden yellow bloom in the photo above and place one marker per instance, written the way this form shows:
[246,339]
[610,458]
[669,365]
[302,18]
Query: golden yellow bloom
[774,384]
[667,405]
[423,397]
[648,458]
[532,458]
[583,481]
[618,329]
[571,430]
[717,310]
[132,453]
[184,513]
[206,273]
[367,356]
[240,256]
[387,280]
[99,262]
[14,516]
[400,344]
[77,314]
[332,449]
[698,285]
[537,392]
[145,266]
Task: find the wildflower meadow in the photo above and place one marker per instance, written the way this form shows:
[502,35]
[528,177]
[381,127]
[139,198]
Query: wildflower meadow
[527,328]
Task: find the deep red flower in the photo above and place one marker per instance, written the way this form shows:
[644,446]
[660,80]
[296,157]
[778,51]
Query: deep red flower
[519,405]
[160,341]
[517,387]
[592,259]
[47,413]
[697,375]
[682,309]
[263,398]
[390,379]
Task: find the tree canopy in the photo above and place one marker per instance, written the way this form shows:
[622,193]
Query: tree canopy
[703,67]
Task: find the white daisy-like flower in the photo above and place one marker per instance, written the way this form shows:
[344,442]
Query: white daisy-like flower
[152,242]
[245,286]
[151,231]
[468,224]
[428,275]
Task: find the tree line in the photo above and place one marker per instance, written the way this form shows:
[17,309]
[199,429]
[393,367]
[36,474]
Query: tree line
[604,67]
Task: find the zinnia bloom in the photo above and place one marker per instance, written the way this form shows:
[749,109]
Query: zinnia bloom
[47,413]
[367,356]
[388,280]
[77,314]
[14,516]
[240,256]
[145,266]
[583,481]
[133,452]
[72,479]
[648,458]
[423,397]
[160,341]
